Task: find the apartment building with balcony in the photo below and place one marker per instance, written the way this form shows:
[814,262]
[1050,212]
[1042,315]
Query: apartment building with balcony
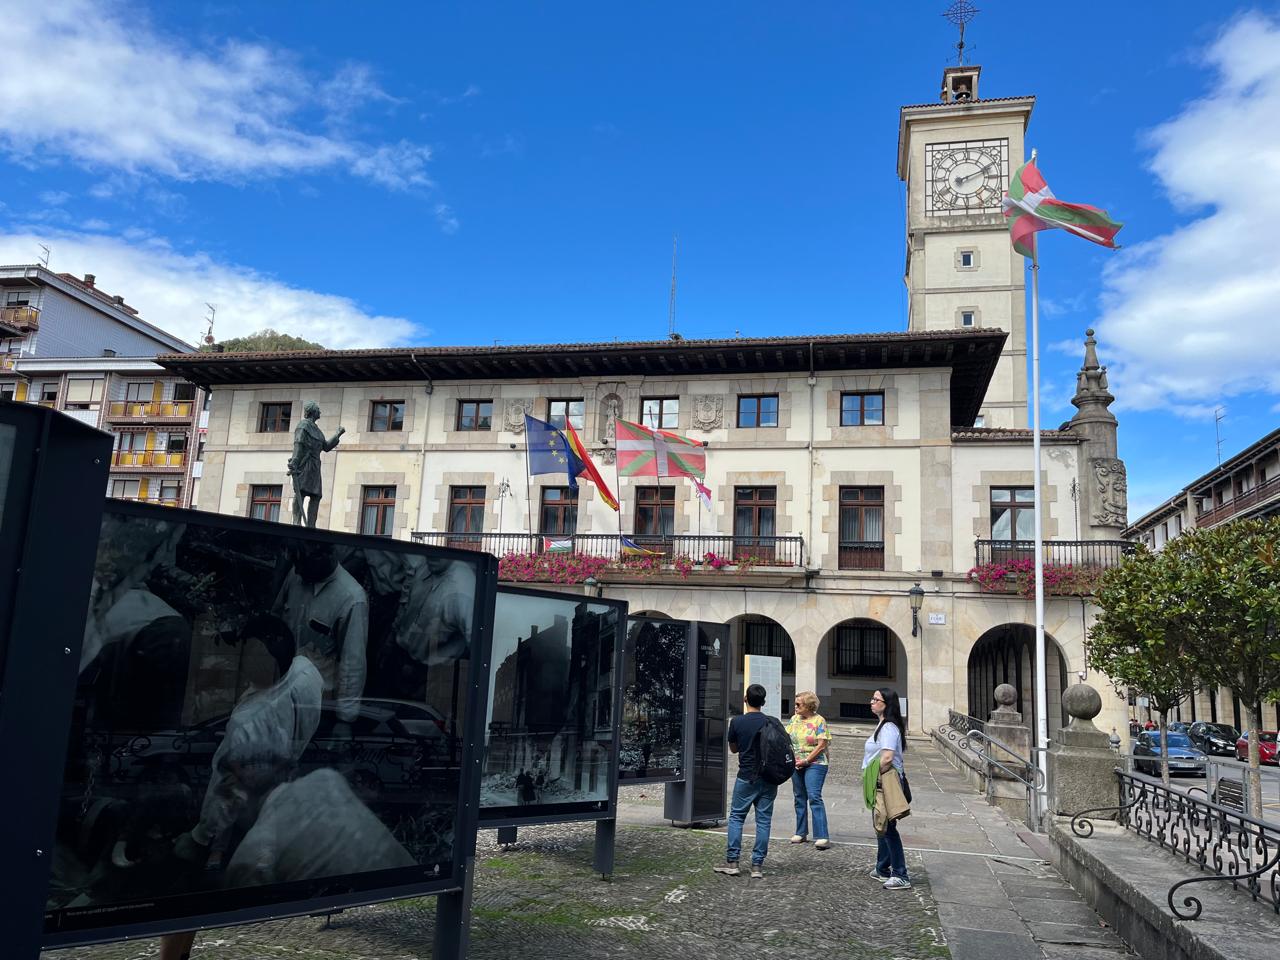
[66,344]
[844,471]
[1243,486]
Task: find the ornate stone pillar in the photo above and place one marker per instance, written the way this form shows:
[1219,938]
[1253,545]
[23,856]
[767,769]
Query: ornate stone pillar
[1081,764]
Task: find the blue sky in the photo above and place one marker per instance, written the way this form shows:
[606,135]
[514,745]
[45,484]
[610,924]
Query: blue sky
[463,173]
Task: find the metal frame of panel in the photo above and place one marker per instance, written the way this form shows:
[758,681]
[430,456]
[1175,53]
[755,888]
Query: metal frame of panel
[700,796]
[316,896]
[48,540]
[503,817]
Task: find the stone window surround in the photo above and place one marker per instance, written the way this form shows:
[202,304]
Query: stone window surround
[364,413]
[829,530]
[351,509]
[440,519]
[976,256]
[783,516]
[243,495]
[977,318]
[1013,478]
[473,391]
[871,434]
[765,386]
[685,509]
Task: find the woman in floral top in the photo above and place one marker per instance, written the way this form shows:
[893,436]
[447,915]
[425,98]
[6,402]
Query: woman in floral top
[810,739]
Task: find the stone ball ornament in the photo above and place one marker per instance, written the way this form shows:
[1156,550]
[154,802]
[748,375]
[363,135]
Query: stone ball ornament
[1006,695]
[1082,702]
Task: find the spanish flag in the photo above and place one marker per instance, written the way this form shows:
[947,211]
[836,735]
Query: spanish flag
[588,468]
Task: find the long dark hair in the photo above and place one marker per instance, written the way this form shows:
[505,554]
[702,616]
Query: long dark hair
[892,714]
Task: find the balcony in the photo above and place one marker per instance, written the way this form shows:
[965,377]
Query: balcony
[1058,553]
[148,460]
[1238,504]
[19,320]
[158,501]
[861,554]
[752,551]
[150,410]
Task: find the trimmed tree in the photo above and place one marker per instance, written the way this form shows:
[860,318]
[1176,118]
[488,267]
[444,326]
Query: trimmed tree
[1144,637]
[1233,578]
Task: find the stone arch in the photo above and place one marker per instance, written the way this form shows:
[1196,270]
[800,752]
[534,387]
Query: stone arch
[854,658]
[1006,654]
[756,633]
[651,614]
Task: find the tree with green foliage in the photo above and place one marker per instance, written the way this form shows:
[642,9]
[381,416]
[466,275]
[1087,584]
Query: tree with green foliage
[1232,575]
[1145,636]
[265,341]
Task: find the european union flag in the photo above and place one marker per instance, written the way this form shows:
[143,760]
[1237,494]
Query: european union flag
[549,451]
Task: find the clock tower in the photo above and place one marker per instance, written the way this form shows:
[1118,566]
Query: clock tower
[961,272]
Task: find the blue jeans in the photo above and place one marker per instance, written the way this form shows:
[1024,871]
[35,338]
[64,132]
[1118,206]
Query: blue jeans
[806,784]
[891,859]
[745,793]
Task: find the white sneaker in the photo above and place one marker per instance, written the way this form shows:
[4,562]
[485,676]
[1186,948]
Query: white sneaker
[897,883]
[821,844]
[797,839]
[877,875]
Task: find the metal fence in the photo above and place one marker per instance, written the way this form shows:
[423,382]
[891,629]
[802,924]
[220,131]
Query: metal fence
[1227,845]
[761,551]
[1076,553]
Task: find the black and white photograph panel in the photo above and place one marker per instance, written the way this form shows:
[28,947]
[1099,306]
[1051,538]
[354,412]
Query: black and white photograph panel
[253,709]
[550,729]
[654,666]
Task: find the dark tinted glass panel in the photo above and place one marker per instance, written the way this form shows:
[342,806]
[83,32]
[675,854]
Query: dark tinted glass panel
[259,719]
[653,700]
[710,771]
[547,749]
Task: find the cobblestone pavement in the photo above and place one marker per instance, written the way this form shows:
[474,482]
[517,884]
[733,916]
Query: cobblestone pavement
[980,891]
[540,899]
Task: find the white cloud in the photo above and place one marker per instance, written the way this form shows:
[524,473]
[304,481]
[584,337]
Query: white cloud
[54,198]
[446,219]
[121,96]
[1190,317]
[170,288]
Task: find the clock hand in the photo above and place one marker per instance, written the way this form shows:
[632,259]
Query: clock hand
[976,173]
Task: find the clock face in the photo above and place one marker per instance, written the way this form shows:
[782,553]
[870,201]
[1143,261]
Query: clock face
[967,177]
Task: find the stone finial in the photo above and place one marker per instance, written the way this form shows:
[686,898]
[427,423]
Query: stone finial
[1082,704]
[1092,398]
[1006,696]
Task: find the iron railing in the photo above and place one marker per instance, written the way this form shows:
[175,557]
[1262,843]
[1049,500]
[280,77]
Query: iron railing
[760,551]
[861,555]
[1224,843]
[997,757]
[962,723]
[1077,553]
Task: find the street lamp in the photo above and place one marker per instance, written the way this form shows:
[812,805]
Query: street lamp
[591,583]
[916,597]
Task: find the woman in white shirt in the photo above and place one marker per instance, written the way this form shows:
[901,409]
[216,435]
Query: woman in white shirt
[888,741]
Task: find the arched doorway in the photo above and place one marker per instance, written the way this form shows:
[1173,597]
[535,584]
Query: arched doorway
[855,658]
[1006,654]
[754,634]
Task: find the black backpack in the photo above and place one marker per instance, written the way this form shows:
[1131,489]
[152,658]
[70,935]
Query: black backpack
[775,760]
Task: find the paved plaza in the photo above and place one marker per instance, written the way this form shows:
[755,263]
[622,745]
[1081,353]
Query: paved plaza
[980,891]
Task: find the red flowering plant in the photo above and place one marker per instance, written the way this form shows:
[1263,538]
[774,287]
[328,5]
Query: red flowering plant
[714,561]
[1019,576]
[550,567]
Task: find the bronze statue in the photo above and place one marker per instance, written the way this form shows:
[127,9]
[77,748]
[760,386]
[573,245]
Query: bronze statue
[304,465]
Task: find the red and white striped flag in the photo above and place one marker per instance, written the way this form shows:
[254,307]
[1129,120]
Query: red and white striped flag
[1030,206]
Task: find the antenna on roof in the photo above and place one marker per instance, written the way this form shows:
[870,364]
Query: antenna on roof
[1218,416]
[960,13]
[671,304]
[208,331]
[44,259]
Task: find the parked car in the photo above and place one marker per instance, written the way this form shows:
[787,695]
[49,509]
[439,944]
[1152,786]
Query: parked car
[1216,739]
[1183,757]
[1266,747]
[1179,726]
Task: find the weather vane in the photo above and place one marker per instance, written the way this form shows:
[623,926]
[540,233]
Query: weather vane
[960,13]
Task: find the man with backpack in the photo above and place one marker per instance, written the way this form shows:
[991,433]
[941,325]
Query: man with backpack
[765,760]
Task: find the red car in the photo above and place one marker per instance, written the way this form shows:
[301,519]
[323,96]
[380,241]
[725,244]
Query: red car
[1266,747]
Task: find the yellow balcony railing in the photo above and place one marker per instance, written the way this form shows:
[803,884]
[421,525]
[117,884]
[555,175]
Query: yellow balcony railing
[22,317]
[128,409]
[148,458]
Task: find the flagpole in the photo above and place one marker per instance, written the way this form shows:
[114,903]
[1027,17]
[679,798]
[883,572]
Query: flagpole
[528,488]
[1042,693]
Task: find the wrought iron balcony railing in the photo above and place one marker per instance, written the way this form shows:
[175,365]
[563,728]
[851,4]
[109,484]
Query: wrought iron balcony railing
[1076,553]
[762,551]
